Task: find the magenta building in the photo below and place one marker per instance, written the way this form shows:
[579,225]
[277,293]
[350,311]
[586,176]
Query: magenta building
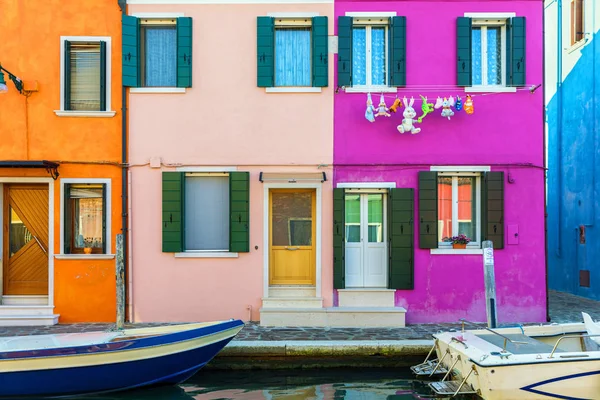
[464,154]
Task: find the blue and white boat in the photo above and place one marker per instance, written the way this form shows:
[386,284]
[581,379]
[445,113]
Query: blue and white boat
[98,362]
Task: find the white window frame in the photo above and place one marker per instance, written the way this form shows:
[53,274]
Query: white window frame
[108,219]
[368,19]
[70,113]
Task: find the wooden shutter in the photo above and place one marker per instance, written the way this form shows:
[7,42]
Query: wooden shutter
[516,65]
[398,51]
[428,212]
[320,50]
[173,189]
[493,208]
[184,52]
[463,51]
[131,50]
[401,238]
[102,76]
[67,77]
[239,212]
[104,216]
[344,67]
[265,49]
[339,239]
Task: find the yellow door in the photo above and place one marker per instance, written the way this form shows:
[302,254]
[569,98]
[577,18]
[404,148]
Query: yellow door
[292,236]
[25,236]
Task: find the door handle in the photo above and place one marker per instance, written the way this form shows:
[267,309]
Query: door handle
[291,248]
[40,243]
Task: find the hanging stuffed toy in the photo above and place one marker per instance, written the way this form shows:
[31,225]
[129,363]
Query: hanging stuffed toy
[446,107]
[369,114]
[409,115]
[469,105]
[458,104]
[425,107]
[397,103]
[382,110]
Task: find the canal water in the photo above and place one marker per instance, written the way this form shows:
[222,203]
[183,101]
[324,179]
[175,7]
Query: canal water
[337,384]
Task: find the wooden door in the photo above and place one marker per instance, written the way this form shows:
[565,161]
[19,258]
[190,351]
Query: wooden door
[25,240]
[292,235]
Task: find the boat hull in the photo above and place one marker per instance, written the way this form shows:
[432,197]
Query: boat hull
[125,365]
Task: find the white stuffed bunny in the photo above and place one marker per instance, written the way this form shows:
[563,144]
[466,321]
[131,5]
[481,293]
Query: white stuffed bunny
[409,115]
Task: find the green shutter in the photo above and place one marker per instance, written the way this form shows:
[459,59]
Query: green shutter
[320,50]
[516,65]
[339,239]
[265,51]
[67,77]
[68,219]
[173,187]
[463,51]
[398,49]
[401,238]
[428,213]
[104,205]
[184,52]
[344,67]
[102,76]
[239,212]
[131,51]
[493,208]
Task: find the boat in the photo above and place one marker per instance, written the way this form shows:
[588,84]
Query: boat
[550,361]
[69,364]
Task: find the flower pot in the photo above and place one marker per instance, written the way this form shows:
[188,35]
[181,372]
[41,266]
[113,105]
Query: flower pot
[459,245]
[87,250]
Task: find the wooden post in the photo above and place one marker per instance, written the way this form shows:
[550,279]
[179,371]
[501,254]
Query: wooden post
[490,283]
[120,272]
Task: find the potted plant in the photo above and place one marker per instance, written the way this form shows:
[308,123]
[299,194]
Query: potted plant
[87,245]
[458,242]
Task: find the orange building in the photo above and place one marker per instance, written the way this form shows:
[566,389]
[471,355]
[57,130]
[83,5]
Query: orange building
[60,160]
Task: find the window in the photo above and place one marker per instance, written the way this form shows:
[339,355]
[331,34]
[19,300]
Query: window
[577,21]
[158,50]
[85,77]
[292,52]
[85,218]
[370,52]
[459,205]
[488,57]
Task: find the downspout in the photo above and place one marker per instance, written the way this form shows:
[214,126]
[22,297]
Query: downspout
[544,144]
[124,171]
[559,131]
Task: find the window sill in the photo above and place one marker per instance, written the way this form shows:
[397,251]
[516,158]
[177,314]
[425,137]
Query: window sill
[576,46]
[157,90]
[490,89]
[206,254]
[84,256]
[96,114]
[371,89]
[290,89]
[460,252]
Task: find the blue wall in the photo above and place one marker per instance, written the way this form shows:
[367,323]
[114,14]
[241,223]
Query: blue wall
[574,175]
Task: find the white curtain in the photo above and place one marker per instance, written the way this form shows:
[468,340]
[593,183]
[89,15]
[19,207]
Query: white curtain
[292,57]
[494,61]
[161,56]
[359,56]
[85,77]
[207,213]
[476,57]
[378,60]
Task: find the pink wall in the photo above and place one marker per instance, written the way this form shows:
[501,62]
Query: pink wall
[505,132]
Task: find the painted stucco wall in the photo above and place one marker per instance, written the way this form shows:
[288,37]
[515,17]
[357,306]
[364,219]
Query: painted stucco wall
[505,132]
[223,120]
[85,147]
[573,112]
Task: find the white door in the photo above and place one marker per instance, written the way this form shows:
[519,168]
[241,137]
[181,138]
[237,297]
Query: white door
[366,240]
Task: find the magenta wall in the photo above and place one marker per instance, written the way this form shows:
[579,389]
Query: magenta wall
[505,132]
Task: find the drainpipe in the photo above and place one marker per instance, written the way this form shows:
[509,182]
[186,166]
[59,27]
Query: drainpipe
[544,144]
[559,123]
[124,170]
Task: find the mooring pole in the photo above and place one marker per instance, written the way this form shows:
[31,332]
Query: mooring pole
[490,283]
[120,274]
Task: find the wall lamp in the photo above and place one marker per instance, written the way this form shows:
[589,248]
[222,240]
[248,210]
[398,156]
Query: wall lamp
[18,82]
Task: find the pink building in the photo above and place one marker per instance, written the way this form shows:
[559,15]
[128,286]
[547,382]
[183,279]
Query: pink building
[473,166]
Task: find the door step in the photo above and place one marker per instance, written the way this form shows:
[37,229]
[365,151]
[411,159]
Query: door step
[451,388]
[28,320]
[292,291]
[292,302]
[347,317]
[366,297]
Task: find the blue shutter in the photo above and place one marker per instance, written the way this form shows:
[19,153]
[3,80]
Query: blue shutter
[397,47]
[516,63]
[131,51]
[320,50]
[184,52]
[344,66]
[463,51]
[265,51]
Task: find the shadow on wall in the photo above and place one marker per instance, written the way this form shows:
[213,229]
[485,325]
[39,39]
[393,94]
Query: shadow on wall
[574,178]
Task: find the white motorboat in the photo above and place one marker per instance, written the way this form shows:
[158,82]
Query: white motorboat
[556,361]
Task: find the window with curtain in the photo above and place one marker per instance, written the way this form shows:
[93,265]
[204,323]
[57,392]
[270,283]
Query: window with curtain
[206,213]
[488,44]
[369,55]
[577,21]
[459,204]
[85,69]
[159,55]
[85,212]
[293,56]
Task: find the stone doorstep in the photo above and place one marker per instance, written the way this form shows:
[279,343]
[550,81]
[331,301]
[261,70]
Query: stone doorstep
[366,297]
[292,302]
[29,320]
[347,317]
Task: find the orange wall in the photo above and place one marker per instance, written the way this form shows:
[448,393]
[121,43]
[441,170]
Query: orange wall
[85,147]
